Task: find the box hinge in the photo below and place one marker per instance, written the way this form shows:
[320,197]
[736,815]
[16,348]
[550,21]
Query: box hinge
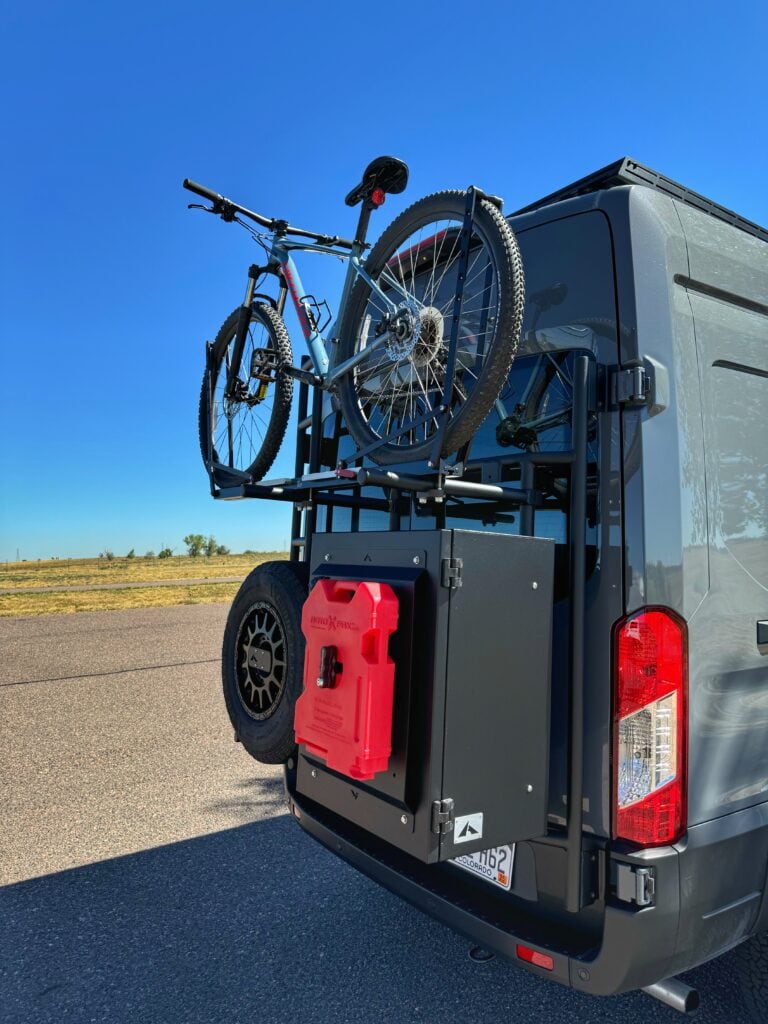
[631,386]
[442,817]
[451,573]
[635,885]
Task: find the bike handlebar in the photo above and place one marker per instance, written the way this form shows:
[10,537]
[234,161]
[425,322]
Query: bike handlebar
[201,190]
[227,209]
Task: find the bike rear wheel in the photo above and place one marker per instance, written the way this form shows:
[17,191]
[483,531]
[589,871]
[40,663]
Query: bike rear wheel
[244,433]
[392,400]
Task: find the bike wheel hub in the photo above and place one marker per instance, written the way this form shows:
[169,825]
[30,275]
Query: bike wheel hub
[430,340]
[403,331]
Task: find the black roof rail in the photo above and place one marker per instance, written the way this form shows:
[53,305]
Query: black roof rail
[629,172]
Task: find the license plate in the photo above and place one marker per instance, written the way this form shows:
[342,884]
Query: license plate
[494,865]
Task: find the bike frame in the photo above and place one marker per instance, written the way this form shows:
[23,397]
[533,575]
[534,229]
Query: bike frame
[282,265]
[326,371]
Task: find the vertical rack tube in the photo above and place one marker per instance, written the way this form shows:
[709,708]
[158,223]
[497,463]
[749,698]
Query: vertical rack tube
[527,477]
[315,437]
[577,538]
[299,471]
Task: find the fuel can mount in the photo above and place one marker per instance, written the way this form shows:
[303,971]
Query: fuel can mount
[344,714]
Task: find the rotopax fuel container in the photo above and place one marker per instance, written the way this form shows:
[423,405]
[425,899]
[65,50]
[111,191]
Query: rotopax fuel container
[344,714]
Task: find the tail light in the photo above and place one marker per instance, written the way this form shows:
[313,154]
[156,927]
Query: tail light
[650,727]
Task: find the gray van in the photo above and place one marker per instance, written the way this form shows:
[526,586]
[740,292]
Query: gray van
[578,777]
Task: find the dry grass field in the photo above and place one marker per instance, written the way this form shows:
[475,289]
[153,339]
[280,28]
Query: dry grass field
[24,578]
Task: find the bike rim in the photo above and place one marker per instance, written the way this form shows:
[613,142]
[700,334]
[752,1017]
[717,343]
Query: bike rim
[400,387]
[239,427]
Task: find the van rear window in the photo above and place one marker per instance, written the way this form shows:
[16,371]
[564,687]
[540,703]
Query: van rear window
[570,308]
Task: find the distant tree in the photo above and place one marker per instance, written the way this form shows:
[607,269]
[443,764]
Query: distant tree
[131,554]
[109,555]
[165,553]
[150,554]
[210,546]
[222,549]
[195,544]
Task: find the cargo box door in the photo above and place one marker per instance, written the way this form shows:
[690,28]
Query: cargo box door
[496,735]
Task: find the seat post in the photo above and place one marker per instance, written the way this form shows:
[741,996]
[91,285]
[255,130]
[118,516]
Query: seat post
[362,224]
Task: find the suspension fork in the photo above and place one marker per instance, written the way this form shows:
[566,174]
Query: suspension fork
[243,320]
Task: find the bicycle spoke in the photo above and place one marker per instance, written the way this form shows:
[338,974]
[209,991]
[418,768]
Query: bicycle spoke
[435,261]
[238,426]
[401,392]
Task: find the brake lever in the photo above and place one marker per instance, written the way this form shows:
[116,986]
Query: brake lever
[223,209]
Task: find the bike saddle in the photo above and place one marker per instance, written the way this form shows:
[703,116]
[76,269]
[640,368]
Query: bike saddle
[385,172]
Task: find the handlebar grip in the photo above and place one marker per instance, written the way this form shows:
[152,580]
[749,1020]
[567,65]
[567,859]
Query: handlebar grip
[201,190]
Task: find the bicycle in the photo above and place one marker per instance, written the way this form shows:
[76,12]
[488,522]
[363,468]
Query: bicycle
[424,339]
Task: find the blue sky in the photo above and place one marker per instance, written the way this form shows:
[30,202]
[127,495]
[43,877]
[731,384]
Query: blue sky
[110,287]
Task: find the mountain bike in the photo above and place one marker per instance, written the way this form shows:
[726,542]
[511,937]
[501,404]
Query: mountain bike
[425,335]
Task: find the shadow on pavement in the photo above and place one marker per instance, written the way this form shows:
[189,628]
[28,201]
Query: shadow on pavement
[255,924]
[251,798]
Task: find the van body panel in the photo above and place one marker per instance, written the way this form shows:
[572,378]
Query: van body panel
[696,482]
[664,490]
[724,257]
[728,766]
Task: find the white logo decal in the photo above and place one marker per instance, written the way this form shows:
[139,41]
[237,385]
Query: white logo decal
[468,827]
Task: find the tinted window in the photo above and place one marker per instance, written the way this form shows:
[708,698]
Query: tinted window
[570,308]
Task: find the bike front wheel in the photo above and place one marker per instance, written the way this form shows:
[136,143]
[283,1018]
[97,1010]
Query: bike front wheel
[393,399]
[244,431]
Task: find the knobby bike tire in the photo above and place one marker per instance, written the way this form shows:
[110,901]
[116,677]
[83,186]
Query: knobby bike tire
[263,456]
[466,417]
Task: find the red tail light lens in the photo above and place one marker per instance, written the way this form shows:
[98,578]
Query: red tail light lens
[378,196]
[650,727]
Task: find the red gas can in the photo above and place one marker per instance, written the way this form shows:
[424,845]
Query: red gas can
[344,715]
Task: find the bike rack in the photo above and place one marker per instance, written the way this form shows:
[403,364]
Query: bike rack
[316,484]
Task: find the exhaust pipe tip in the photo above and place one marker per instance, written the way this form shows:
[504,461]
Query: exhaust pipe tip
[675,993]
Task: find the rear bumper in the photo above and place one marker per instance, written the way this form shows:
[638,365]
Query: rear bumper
[709,896]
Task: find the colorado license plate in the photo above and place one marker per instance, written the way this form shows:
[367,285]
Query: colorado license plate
[494,865]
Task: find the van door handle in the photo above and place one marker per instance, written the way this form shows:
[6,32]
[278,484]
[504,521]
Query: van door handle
[762,632]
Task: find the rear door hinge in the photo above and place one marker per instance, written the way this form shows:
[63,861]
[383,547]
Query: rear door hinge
[451,571]
[442,817]
[635,885]
[631,386]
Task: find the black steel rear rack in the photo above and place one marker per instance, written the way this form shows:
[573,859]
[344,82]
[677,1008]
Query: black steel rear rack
[323,487]
[313,486]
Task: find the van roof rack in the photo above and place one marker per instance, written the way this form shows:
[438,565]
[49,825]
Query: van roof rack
[629,172]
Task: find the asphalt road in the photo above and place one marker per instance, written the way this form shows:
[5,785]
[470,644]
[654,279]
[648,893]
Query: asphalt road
[149,871]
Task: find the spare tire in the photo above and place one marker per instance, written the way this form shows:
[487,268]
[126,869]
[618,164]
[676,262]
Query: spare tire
[262,659]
